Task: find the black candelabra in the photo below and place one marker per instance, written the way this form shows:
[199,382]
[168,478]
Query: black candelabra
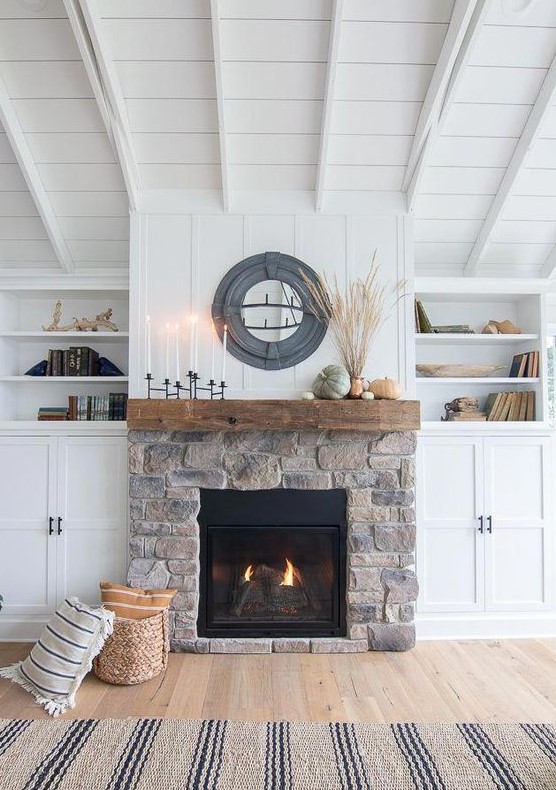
[190,390]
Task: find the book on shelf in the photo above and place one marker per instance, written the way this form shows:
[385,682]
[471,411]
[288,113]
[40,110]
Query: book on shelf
[52,413]
[467,416]
[74,361]
[452,329]
[510,406]
[422,323]
[98,408]
[525,365]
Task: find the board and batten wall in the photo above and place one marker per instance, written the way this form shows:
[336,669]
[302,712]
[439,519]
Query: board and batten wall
[177,261]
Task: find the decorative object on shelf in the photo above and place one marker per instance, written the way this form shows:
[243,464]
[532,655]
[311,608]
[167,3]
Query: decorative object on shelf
[269,311]
[466,407]
[525,365]
[385,389]
[100,321]
[332,383]
[368,395]
[308,395]
[355,315]
[505,327]
[457,371]
[108,368]
[37,370]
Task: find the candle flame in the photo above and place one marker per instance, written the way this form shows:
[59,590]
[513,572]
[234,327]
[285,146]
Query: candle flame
[288,575]
[225,327]
[248,573]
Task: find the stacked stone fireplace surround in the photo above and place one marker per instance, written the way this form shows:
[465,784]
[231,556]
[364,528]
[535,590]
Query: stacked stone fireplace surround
[377,470]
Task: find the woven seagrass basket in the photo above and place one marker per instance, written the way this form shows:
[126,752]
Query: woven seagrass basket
[136,651]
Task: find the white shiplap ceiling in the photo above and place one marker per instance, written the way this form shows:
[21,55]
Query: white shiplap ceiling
[116,98]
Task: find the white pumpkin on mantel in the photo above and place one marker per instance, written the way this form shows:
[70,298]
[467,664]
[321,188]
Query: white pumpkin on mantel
[368,395]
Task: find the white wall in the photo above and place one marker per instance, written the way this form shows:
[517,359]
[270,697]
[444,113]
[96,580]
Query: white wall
[177,261]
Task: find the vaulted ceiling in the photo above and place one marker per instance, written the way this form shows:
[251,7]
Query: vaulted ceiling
[450,106]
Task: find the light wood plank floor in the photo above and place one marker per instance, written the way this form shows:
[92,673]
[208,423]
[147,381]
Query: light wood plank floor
[513,680]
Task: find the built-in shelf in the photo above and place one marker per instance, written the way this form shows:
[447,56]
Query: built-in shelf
[66,379]
[439,380]
[455,338]
[64,426]
[87,338]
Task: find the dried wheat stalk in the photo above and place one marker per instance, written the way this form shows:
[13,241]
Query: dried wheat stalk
[355,315]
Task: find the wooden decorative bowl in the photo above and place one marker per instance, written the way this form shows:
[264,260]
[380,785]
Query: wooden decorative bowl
[457,371]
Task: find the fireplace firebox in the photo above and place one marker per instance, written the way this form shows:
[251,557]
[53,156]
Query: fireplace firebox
[272,563]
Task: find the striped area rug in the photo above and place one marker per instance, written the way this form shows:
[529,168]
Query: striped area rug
[226,755]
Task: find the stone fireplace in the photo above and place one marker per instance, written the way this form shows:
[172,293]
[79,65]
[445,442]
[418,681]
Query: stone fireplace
[373,471]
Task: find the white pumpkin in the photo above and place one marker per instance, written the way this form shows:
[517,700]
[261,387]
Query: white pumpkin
[332,383]
[368,395]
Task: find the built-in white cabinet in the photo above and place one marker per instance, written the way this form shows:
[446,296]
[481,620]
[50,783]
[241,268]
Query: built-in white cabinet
[63,523]
[484,525]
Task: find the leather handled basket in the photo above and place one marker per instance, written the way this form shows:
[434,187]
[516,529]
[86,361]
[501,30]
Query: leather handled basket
[136,651]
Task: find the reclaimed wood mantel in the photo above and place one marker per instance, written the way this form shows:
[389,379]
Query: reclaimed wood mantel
[277,415]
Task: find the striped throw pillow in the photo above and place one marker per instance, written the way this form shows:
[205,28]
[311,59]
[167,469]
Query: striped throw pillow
[59,661]
[132,602]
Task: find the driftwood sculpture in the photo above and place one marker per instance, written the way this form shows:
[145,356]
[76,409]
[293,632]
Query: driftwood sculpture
[100,321]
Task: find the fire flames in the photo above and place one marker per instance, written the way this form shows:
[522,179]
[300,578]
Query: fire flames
[287,579]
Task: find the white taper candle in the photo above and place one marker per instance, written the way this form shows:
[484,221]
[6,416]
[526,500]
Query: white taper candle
[224,344]
[167,371]
[177,352]
[212,349]
[148,342]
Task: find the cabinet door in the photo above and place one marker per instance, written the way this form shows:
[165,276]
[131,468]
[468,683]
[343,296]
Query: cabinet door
[92,495]
[27,551]
[450,549]
[517,551]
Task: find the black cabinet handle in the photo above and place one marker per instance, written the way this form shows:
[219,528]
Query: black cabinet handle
[489,524]
[50,526]
[59,525]
[481,524]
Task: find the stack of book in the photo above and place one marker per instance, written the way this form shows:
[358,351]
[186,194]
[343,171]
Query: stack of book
[525,365]
[98,407]
[52,413]
[423,324]
[74,361]
[510,406]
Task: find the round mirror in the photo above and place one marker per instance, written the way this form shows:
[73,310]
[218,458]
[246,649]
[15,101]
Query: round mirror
[266,305]
[272,310]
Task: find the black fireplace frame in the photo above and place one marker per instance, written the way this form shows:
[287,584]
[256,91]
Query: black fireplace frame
[324,511]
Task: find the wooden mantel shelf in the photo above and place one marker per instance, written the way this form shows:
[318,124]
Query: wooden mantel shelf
[276,415]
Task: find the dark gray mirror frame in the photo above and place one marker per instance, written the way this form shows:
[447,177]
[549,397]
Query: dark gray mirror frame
[228,300]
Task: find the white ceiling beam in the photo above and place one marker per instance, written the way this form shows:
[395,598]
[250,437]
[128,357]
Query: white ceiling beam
[33,180]
[330,84]
[549,268]
[218,73]
[539,111]
[81,35]
[437,121]
[104,80]
[430,111]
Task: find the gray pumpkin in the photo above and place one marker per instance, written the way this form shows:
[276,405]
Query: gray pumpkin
[332,383]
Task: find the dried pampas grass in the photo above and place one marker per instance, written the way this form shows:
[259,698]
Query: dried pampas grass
[355,315]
